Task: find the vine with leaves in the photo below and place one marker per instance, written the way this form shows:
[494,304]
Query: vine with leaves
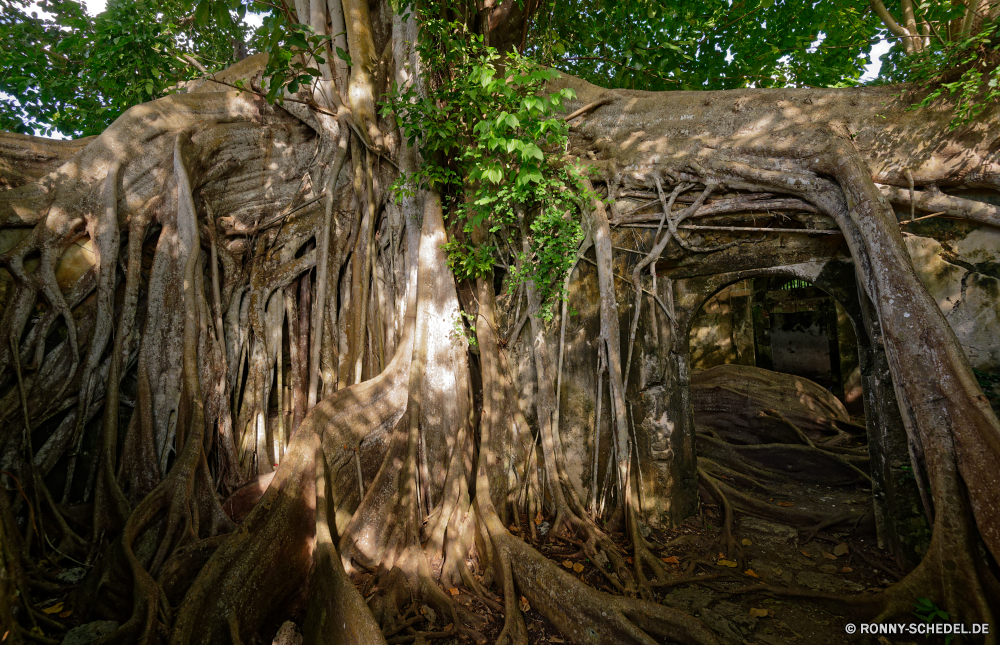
[490,141]
[973,60]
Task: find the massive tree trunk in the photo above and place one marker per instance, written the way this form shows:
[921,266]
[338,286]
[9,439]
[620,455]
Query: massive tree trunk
[219,292]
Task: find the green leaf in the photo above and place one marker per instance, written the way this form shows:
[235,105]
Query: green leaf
[531,151]
[202,12]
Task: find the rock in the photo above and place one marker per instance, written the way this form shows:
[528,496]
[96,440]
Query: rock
[770,531]
[723,628]
[72,576]
[736,615]
[825,582]
[691,599]
[288,634]
[90,632]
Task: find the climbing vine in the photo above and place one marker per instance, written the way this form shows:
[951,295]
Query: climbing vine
[491,144]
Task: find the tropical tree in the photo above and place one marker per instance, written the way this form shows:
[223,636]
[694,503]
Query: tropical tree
[279,226]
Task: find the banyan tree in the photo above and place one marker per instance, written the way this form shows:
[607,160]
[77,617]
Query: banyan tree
[238,364]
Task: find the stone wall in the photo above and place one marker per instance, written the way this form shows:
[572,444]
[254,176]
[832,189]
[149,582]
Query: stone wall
[959,264]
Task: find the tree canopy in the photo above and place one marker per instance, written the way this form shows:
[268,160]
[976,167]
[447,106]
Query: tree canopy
[73,73]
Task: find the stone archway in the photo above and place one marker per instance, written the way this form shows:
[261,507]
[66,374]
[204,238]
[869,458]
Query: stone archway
[895,499]
[657,379]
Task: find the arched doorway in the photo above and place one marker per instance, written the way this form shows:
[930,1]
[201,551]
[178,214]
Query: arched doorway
[784,324]
[894,497]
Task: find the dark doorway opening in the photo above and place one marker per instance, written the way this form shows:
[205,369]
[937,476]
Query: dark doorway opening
[782,324]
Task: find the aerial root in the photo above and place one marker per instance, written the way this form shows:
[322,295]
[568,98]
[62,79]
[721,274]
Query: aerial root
[644,557]
[410,581]
[726,540]
[514,631]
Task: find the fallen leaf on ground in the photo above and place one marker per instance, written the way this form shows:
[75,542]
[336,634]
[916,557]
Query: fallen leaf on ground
[760,613]
[846,570]
[539,518]
[805,554]
[829,556]
[751,573]
[568,564]
[453,591]
[746,542]
[578,567]
[556,639]
[776,571]
[54,609]
[728,563]
[5,635]
[629,560]
[882,640]
[671,560]
[65,614]
[524,604]
[840,549]
[786,504]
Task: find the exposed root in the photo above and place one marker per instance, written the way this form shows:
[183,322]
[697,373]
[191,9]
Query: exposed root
[726,540]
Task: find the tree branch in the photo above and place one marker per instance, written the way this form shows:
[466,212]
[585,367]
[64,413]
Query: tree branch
[946,204]
[892,25]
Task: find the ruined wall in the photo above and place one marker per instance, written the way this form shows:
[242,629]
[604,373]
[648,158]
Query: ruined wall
[959,263]
[960,266]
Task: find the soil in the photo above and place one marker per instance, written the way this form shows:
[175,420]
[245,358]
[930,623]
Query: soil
[778,555]
[743,605]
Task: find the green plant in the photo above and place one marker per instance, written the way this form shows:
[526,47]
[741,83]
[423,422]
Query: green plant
[928,612]
[973,89]
[294,51]
[490,139]
[463,326]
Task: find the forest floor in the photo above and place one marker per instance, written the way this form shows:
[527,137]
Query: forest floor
[777,554]
[704,582]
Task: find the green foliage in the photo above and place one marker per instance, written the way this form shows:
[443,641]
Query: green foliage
[295,53]
[488,133]
[70,73]
[975,87]
[927,611]
[463,326]
[706,44]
